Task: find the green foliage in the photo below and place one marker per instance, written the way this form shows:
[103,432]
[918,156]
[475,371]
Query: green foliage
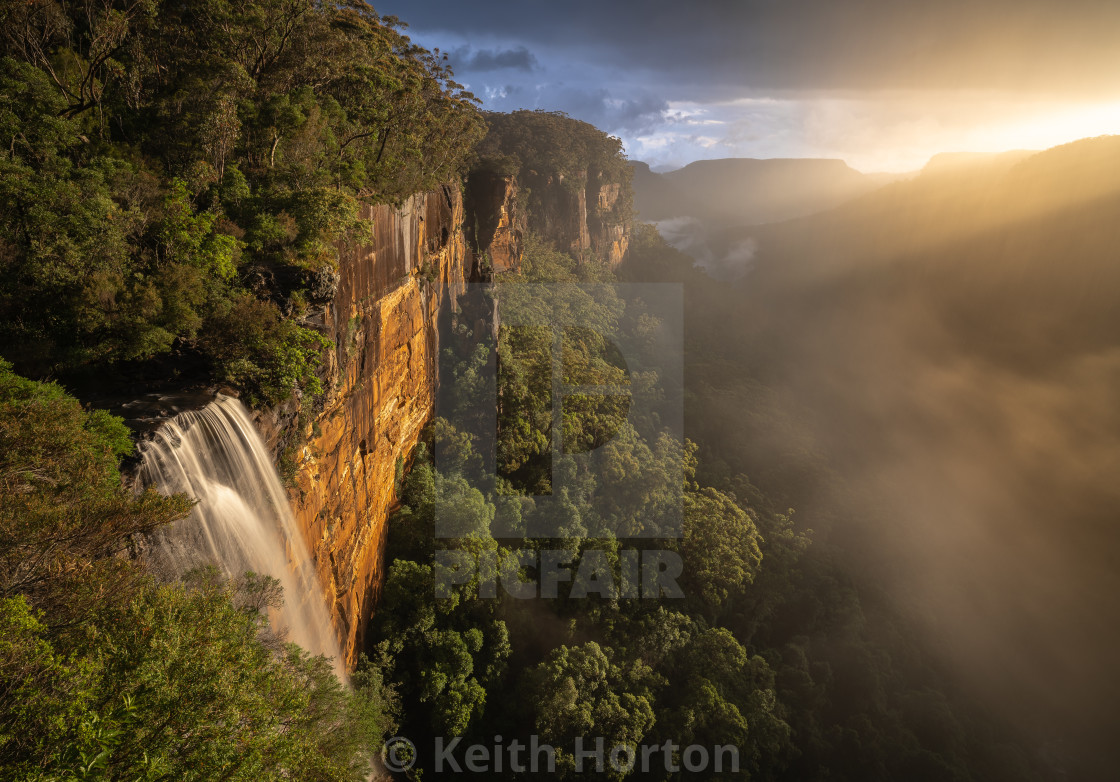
[177,682]
[62,506]
[170,174]
[546,149]
[256,349]
[161,161]
[773,650]
[721,543]
[855,692]
[105,674]
[551,143]
[724,695]
[581,693]
[445,652]
[525,364]
[549,679]
[190,236]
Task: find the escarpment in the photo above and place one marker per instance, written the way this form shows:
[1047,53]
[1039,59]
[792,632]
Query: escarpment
[496,221]
[581,215]
[381,382]
[345,454]
[578,212]
[545,173]
[608,225]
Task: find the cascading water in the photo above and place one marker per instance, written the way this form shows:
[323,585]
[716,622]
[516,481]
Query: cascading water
[242,521]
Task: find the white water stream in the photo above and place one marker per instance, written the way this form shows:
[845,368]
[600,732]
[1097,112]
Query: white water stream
[242,521]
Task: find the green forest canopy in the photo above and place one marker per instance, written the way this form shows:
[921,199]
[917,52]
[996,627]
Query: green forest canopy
[169,168]
[774,648]
[177,175]
[106,673]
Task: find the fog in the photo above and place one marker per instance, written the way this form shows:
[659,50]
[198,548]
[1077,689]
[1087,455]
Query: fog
[936,370]
[690,236]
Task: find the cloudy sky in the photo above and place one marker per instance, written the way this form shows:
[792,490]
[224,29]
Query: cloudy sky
[883,84]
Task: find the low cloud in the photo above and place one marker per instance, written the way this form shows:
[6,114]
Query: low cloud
[690,236]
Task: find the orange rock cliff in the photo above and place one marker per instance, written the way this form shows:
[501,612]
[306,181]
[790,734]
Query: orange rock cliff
[381,377]
[578,218]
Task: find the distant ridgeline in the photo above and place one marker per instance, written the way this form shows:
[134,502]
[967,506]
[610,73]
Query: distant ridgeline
[265,198]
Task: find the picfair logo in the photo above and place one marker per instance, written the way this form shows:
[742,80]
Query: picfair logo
[640,326]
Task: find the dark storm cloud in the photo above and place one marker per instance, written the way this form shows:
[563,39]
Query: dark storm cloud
[467,59]
[807,44]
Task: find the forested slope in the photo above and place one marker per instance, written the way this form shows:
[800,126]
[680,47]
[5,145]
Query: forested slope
[778,646]
[176,176]
[176,181]
[926,373]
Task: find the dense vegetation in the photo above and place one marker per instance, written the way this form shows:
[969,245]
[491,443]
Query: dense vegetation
[176,176]
[928,373]
[574,665]
[774,647]
[551,153]
[866,697]
[175,179]
[107,674]
[550,143]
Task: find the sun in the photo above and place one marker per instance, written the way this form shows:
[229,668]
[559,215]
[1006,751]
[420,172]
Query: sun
[902,132]
[1056,125]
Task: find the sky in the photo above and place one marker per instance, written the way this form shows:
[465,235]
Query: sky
[881,84]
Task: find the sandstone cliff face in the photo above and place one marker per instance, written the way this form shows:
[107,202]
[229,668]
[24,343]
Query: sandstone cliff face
[495,221]
[381,378]
[382,385]
[610,236]
[381,375]
[578,215]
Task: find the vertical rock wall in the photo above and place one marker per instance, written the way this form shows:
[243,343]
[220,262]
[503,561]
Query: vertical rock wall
[382,385]
[495,223]
[577,216]
[381,377]
[609,237]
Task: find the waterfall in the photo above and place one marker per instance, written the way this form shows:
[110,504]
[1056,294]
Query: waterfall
[242,520]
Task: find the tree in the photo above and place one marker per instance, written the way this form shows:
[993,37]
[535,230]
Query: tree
[583,694]
[64,514]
